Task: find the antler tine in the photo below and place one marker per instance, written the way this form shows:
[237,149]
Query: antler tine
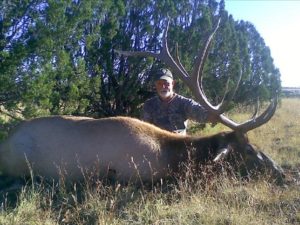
[221,107]
[164,56]
[254,122]
[261,119]
[196,77]
[178,60]
[142,54]
[199,64]
[255,113]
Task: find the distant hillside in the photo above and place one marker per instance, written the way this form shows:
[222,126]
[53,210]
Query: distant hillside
[291,91]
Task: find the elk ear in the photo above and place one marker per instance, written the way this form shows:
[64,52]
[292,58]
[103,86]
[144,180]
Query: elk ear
[221,154]
[241,138]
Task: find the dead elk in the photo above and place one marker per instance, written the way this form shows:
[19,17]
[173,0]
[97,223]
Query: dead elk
[133,149]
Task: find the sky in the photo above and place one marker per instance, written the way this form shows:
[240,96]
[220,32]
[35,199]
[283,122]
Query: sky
[278,22]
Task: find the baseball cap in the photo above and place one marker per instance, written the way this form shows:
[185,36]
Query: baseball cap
[164,74]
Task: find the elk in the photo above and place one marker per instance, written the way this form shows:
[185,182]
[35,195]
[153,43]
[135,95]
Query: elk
[128,148]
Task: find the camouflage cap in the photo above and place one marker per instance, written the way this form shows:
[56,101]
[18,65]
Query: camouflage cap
[164,74]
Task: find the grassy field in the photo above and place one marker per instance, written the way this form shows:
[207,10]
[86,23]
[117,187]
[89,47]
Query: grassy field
[220,201]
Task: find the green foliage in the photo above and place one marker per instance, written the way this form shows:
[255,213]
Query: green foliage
[6,125]
[57,57]
[261,78]
[60,89]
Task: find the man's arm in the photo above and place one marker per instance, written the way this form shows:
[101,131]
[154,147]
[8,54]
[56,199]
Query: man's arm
[196,112]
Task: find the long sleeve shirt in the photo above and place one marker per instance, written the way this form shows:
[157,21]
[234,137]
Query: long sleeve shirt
[173,115]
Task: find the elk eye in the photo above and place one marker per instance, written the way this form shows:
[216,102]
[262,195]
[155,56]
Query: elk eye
[249,148]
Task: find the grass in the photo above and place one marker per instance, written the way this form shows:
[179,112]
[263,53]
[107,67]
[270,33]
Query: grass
[280,137]
[219,200]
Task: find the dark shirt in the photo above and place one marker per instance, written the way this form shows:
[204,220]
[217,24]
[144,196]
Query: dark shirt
[173,115]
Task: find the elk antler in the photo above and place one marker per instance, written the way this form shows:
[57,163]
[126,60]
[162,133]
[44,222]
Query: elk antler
[194,82]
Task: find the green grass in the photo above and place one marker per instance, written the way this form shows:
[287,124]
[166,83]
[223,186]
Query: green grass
[219,200]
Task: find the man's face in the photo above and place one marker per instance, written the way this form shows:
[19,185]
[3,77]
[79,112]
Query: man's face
[164,88]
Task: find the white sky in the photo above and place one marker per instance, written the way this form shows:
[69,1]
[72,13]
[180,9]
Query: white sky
[278,22]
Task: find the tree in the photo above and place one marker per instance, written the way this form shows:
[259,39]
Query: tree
[44,70]
[16,18]
[57,57]
[261,77]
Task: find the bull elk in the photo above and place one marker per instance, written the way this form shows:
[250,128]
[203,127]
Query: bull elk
[127,147]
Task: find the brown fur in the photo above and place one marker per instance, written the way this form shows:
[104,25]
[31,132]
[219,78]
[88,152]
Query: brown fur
[126,145]
[131,148]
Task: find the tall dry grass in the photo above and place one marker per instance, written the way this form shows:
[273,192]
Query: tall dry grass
[280,137]
[206,200]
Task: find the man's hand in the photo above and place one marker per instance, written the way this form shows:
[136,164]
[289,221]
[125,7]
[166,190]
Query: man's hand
[212,118]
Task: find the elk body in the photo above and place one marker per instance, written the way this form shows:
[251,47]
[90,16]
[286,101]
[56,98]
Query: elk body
[129,148]
[71,146]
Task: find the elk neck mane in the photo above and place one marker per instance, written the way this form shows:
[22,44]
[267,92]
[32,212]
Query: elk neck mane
[172,141]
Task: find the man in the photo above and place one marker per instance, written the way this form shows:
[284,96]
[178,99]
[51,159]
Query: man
[169,110]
